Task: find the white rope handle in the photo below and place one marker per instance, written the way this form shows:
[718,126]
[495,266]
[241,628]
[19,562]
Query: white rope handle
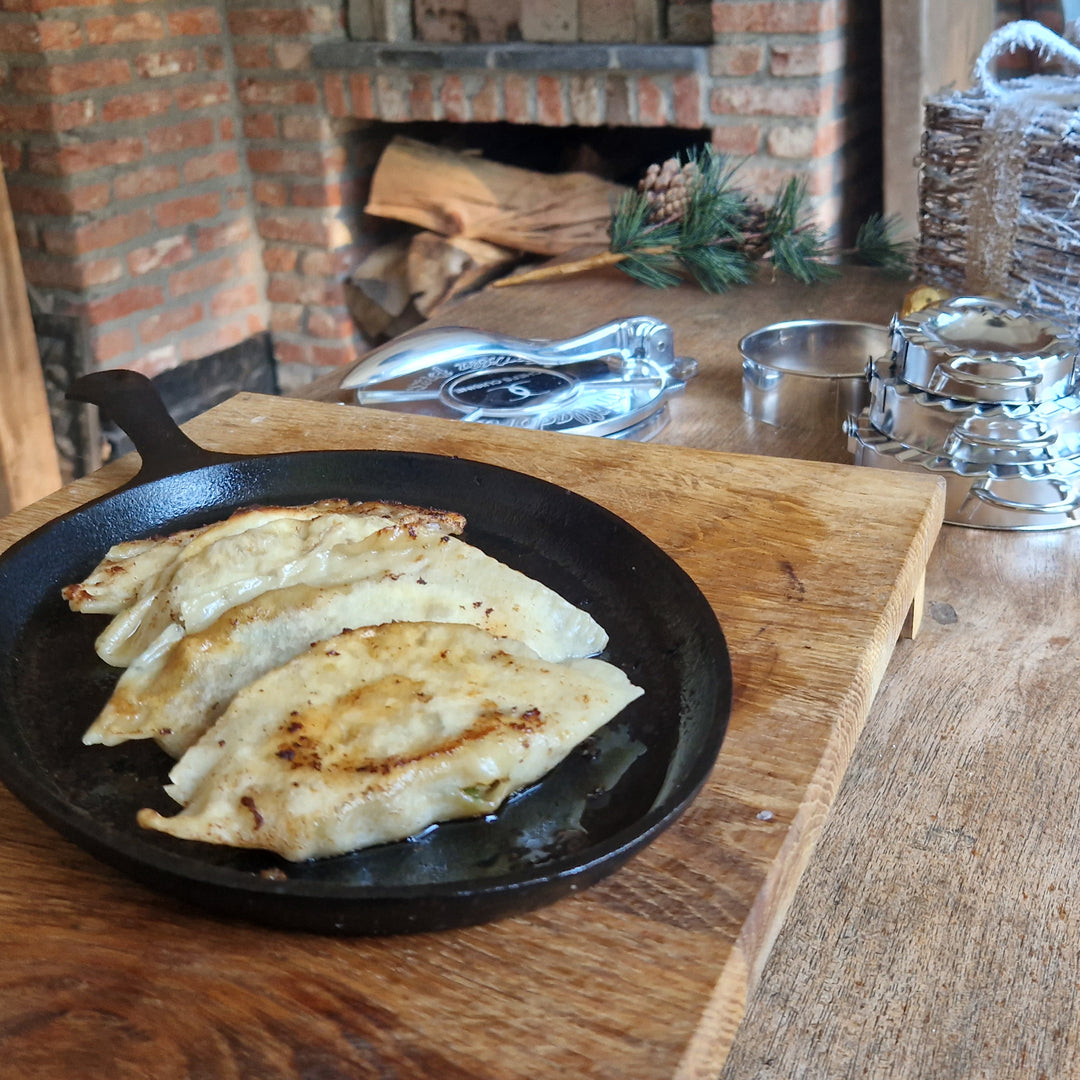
[1022,34]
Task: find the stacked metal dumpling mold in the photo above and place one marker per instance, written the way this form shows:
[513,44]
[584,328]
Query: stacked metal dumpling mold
[984,395]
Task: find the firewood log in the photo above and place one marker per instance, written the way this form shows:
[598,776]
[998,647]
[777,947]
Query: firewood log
[378,292]
[464,195]
[441,268]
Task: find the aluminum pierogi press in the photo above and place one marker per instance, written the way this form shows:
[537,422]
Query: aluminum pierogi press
[613,380]
[983,394]
[581,822]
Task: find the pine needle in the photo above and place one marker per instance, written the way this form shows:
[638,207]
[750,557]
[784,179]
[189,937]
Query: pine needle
[783,216]
[798,248]
[628,220]
[717,268]
[802,255]
[708,245]
[877,244]
[717,208]
[631,232]
[659,271]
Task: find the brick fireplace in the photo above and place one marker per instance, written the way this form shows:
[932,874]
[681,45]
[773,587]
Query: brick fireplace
[186,176]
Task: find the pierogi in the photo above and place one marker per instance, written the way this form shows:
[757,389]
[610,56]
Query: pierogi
[173,695]
[245,555]
[339,675]
[375,734]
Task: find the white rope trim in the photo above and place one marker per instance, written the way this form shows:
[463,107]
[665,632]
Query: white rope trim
[1024,34]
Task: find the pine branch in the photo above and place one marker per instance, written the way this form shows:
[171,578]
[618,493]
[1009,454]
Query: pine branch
[717,208]
[717,268]
[782,217]
[648,250]
[630,221]
[709,239]
[802,254]
[797,248]
[658,270]
[877,244]
[715,233]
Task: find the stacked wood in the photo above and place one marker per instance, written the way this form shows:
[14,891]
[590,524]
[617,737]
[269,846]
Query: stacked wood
[464,195]
[468,219]
[441,268]
[378,293]
[412,277]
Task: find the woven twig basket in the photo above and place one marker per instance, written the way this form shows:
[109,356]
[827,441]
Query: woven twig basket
[999,191]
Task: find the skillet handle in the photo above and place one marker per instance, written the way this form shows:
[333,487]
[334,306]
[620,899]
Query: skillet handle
[132,402]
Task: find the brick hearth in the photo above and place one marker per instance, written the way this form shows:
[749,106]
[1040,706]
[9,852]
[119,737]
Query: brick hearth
[185,176]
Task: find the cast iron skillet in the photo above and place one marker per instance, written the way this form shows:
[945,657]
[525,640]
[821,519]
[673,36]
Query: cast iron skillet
[586,818]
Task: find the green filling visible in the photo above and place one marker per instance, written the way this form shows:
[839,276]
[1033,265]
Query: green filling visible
[482,793]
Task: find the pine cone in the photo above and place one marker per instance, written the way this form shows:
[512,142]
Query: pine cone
[667,188]
[755,242]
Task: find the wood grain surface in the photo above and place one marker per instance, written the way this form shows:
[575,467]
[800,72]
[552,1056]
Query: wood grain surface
[935,932]
[811,568]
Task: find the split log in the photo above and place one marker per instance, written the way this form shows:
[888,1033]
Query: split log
[441,268]
[464,195]
[379,295]
[383,276]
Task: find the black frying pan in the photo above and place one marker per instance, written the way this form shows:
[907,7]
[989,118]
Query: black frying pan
[604,802]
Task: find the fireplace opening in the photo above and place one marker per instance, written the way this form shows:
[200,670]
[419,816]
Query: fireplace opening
[408,273]
[619,154]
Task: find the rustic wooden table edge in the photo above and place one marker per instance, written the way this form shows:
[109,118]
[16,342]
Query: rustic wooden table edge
[705,1056]
[715,1029]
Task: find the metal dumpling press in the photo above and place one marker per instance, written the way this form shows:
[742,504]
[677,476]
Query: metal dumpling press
[613,380]
[984,395]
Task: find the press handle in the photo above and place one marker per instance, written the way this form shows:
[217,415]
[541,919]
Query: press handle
[955,371]
[637,337]
[959,436]
[133,403]
[1068,500]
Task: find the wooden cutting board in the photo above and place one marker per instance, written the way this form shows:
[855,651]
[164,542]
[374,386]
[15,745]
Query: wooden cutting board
[812,569]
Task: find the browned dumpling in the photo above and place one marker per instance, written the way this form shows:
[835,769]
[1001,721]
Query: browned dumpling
[182,583]
[174,694]
[377,733]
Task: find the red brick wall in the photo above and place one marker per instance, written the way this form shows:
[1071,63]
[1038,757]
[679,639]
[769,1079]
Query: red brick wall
[303,157]
[119,138]
[560,20]
[779,96]
[183,175]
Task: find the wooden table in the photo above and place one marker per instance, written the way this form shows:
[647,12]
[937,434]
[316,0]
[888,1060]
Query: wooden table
[935,931]
[931,934]
[812,569]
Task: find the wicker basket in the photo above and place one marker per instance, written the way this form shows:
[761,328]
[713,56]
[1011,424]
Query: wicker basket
[999,190]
